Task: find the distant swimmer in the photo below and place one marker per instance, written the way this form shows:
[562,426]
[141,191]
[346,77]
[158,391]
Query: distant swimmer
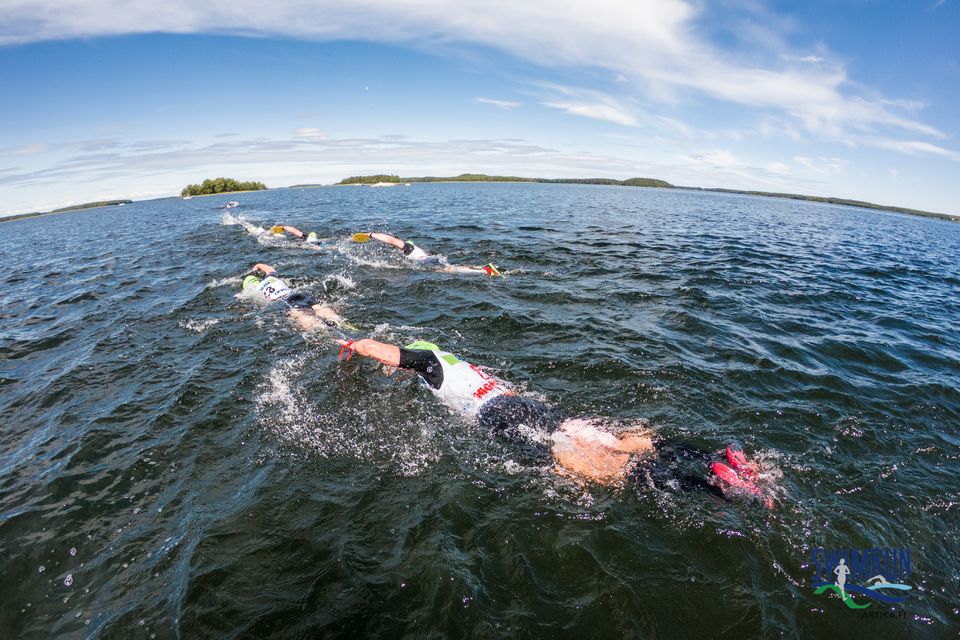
[418,255]
[585,448]
[233,204]
[305,310]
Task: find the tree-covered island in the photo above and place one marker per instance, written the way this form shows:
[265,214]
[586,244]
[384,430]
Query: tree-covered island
[220,185]
[92,205]
[481,177]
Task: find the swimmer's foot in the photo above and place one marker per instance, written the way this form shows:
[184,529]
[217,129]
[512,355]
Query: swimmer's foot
[491,270]
[738,461]
[728,478]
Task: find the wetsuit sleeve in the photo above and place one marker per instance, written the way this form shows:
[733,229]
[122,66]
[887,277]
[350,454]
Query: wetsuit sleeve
[408,248]
[425,363]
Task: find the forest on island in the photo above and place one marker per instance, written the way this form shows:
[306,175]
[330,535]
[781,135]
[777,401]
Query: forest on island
[480,177]
[220,185]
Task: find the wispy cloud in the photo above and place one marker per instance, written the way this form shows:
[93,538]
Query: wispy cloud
[500,104]
[130,167]
[588,103]
[655,45]
[25,150]
[309,133]
[596,111]
[912,147]
[804,59]
[822,166]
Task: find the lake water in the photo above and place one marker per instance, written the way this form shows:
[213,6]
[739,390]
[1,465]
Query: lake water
[177,461]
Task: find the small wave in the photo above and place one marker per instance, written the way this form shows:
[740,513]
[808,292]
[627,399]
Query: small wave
[281,394]
[337,281]
[376,264]
[308,422]
[224,282]
[199,326]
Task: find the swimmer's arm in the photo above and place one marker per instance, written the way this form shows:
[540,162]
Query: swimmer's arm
[383,237]
[294,231]
[265,269]
[387,354]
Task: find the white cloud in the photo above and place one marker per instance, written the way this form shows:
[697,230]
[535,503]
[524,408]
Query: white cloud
[718,158]
[805,59]
[25,150]
[500,104]
[310,133]
[655,45]
[911,147]
[587,103]
[721,167]
[822,166]
[778,168]
[152,168]
[597,111]
[134,167]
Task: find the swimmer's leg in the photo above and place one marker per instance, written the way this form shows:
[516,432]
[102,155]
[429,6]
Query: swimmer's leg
[635,442]
[489,270]
[680,465]
[316,316]
[326,313]
[456,268]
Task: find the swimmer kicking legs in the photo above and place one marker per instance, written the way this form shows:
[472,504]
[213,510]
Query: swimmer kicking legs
[582,448]
[415,253]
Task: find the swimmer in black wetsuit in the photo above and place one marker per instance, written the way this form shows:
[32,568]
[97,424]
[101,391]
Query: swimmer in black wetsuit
[415,253]
[584,448]
[306,311]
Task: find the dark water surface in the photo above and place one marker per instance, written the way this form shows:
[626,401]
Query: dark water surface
[176,461]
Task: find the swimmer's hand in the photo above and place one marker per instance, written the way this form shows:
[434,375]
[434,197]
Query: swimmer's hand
[265,269]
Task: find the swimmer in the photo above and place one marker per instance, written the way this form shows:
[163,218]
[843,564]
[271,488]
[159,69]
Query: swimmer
[586,449]
[415,253]
[305,310]
[279,230]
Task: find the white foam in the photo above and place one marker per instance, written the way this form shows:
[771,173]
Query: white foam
[280,393]
[377,264]
[287,408]
[198,326]
[345,282]
[229,220]
[229,281]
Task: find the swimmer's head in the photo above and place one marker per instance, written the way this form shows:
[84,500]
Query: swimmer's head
[420,344]
[312,237]
[250,281]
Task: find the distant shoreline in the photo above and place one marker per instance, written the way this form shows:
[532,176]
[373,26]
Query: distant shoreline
[77,207]
[632,182]
[651,183]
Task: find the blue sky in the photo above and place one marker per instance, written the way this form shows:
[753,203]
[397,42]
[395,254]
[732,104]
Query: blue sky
[112,99]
